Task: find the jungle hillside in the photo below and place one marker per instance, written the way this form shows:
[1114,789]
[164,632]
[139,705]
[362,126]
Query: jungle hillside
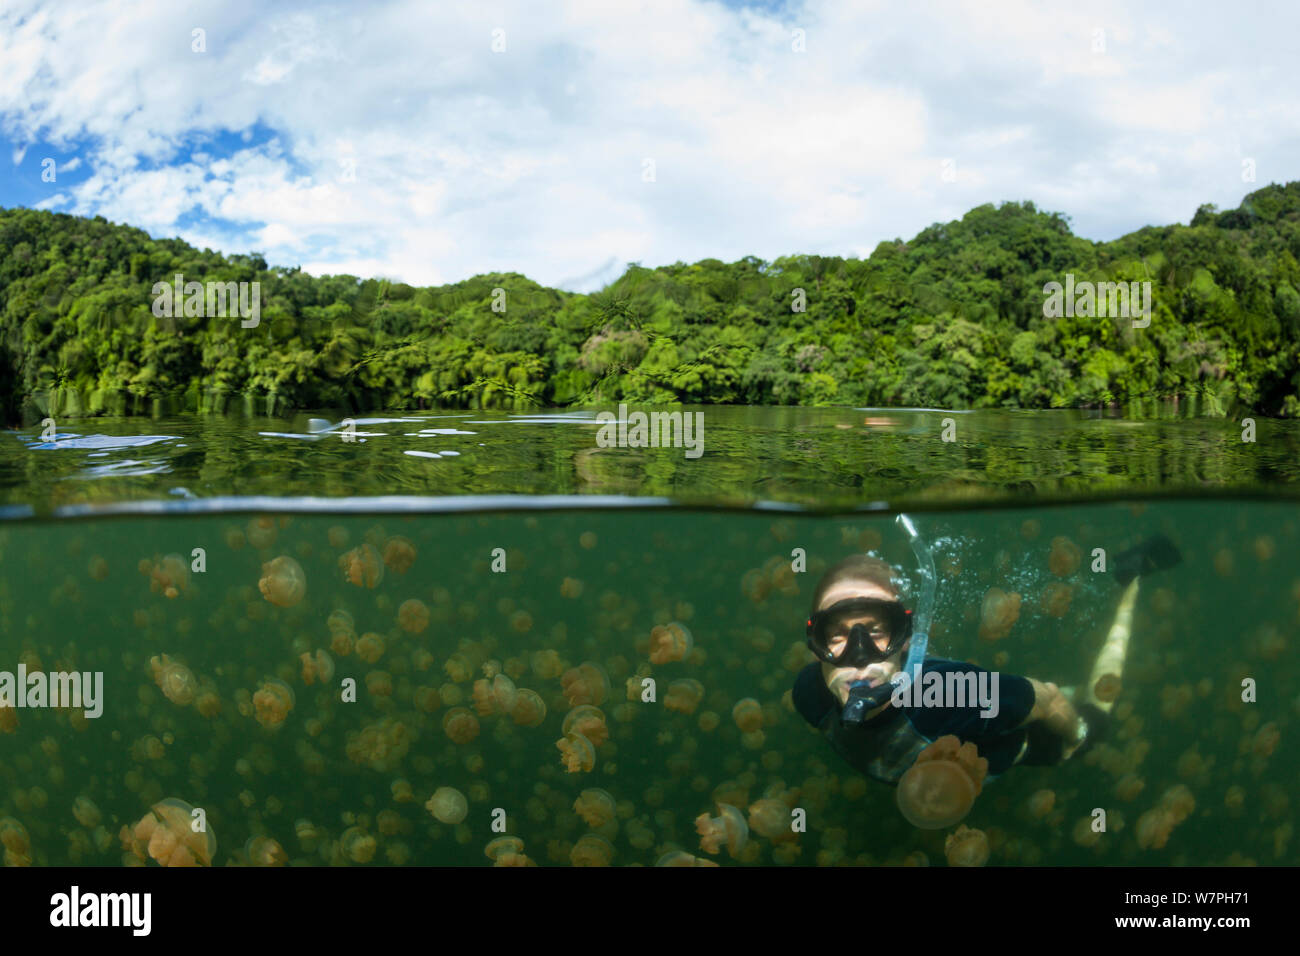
[952,318]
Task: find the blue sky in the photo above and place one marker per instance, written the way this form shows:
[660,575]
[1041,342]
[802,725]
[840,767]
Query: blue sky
[393,139]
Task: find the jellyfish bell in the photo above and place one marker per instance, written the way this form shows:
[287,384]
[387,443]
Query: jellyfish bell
[273,702]
[940,788]
[595,806]
[1064,558]
[168,835]
[264,851]
[727,827]
[670,642]
[748,715]
[283,581]
[966,847]
[998,613]
[588,721]
[592,849]
[576,753]
[503,846]
[529,709]
[362,566]
[448,805]
[178,683]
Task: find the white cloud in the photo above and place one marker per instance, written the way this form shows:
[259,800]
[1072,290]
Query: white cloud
[402,145]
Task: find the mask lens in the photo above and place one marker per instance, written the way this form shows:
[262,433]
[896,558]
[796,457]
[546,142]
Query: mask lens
[858,630]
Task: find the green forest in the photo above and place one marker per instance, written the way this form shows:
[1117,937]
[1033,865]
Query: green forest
[952,318]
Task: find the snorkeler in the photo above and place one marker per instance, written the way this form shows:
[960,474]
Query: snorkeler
[860,632]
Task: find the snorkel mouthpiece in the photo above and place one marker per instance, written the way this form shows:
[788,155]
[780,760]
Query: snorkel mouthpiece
[863,699]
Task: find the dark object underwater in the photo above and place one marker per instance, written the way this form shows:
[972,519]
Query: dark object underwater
[1157,553]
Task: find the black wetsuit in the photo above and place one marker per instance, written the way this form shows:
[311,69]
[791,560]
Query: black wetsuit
[885,746]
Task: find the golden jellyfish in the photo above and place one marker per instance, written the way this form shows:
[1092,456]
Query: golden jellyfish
[501,848]
[684,695]
[273,702]
[427,699]
[370,648]
[14,838]
[588,721]
[1154,828]
[595,806]
[169,575]
[167,834]
[399,554]
[966,847]
[177,681]
[413,616]
[591,850]
[98,568]
[529,709]
[262,532]
[379,683]
[460,725]
[316,667]
[86,812]
[748,715]
[448,805]
[670,642]
[576,753]
[264,851]
[585,684]
[770,818]
[1056,599]
[1041,803]
[727,827]
[547,664]
[362,566]
[1107,688]
[495,696]
[1266,740]
[571,588]
[1064,558]
[357,845]
[207,702]
[940,788]
[1179,802]
[998,613]
[283,581]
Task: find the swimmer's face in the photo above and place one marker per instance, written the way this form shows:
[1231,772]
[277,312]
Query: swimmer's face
[838,679]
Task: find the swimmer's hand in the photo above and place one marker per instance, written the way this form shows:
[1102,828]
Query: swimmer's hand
[1055,709]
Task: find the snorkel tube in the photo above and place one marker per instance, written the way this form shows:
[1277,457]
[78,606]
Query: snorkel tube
[864,698]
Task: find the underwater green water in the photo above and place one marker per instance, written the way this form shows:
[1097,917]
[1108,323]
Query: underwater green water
[589,585]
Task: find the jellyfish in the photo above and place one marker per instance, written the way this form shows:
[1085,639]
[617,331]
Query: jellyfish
[595,806]
[460,725]
[682,858]
[684,695]
[262,532]
[571,588]
[748,715]
[585,684]
[939,789]
[169,575]
[399,554]
[1041,803]
[1056,599]
[370,648]
[670,642]
[207,702]
[167,834]
[448,805]
[966,847]
[576,753]
[547,664]
[362,566]
[264,851]
[728,826]
[317,667]
[505,851]
[1266,740]
[1064,558]
[357,845]
[272,703]
[379,683]
[177,681]
[14,838]
[770,818]
[592,849]
[283,582]
[413,616]
[529,709]
[1107,688]
[588,721]
[86,812]
[1154,828]
[998,613]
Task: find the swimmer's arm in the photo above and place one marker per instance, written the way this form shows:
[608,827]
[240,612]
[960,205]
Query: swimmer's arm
[1054,709]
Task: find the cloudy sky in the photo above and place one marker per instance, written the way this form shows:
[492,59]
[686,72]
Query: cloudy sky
[430,141]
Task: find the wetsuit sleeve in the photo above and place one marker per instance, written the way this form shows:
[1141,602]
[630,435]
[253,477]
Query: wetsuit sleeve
[811,697]
[973,721]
